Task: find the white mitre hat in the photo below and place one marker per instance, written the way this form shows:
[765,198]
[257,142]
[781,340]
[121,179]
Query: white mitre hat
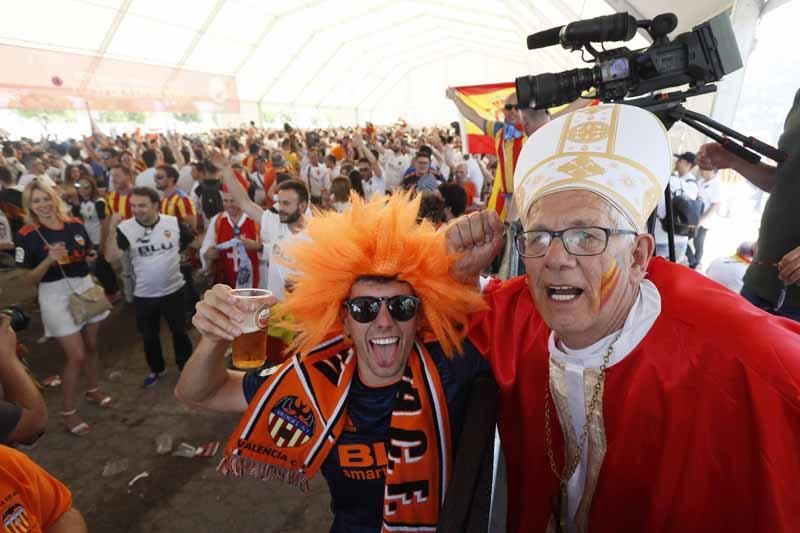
[618,152]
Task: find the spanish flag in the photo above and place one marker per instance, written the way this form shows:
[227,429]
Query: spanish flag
[503,140]
[488,102]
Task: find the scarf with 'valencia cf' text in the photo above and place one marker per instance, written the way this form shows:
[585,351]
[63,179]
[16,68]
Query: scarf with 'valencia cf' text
[298,413]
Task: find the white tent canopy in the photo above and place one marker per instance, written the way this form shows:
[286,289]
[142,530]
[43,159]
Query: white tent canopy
[372,60]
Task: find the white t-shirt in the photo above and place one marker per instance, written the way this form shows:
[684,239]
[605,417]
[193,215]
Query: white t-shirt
[317,177]
[185,179]
[475,176]
[336,171]
[91,221]
[373,186]
[710,193]
[728,271]
[677,186]
[25,179]
[155,254]
[394,166]
[17,169]
[147,178]
[275,235]
[257,179]
[55,173]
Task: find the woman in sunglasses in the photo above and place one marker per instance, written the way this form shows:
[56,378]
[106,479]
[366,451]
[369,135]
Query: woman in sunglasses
[374,395]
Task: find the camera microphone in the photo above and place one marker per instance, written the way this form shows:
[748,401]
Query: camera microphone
[545,38]
[617,27]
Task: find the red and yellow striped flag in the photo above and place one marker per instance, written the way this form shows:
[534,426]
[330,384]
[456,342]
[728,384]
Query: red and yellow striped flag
[499,139]
[487,101]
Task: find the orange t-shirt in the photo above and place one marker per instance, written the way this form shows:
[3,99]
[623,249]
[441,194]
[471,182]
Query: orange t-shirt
[31,500]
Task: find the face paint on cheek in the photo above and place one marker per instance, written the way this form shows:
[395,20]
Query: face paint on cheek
[607,283]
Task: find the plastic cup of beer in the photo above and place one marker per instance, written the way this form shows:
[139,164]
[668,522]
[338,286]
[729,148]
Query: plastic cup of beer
[250,348]
[61,244]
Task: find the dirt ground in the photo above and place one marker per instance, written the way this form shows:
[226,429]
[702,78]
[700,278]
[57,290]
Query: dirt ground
[180,494]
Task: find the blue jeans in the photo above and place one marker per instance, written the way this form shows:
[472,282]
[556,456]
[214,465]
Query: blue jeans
[787,310]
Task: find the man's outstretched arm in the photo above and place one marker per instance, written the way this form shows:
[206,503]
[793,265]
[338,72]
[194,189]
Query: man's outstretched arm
[205,382]
[466,110]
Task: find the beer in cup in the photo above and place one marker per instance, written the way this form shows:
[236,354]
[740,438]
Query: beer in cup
[61,244]
[250,348]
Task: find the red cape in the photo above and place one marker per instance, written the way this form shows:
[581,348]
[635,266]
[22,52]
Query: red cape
[702,419]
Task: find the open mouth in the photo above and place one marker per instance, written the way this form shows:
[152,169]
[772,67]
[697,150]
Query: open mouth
[384,349]
[563,293]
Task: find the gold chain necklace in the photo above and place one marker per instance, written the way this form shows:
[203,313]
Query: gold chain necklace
[569,468]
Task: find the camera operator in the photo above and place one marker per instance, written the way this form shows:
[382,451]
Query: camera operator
[23,413]
[30,498]
[771,280]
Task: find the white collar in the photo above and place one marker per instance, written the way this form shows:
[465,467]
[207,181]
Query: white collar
[242,218]
[640,319]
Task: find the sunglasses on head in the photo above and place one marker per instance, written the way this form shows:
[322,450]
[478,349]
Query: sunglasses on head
[365,309]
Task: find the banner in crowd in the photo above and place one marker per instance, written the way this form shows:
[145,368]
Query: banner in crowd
[487,101]
[58,81]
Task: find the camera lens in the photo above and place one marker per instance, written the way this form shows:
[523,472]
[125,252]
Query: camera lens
[19,320]
[549,89]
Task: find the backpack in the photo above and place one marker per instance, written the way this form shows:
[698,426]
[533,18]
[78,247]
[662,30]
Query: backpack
[210,198]
[686,214]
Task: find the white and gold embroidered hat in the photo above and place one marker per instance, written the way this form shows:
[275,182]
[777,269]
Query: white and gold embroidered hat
[618,152]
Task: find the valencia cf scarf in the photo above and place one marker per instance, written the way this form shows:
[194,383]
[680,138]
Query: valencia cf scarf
[294,419]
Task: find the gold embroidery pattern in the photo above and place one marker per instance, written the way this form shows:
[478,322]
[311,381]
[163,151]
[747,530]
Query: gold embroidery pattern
[562,141]
[586,152]
[596,446]
[612,137]
[581,167]
[589,132]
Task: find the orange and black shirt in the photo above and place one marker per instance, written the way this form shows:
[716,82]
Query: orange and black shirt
[31,248]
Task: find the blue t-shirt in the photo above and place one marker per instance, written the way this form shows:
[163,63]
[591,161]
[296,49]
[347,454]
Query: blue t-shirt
[355,467]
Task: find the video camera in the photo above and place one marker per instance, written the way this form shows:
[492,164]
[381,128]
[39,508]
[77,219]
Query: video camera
[699,57]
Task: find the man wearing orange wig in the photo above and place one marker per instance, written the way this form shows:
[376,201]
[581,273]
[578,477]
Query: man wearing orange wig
[374,396]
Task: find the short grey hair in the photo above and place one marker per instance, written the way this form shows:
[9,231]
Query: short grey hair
[620,221]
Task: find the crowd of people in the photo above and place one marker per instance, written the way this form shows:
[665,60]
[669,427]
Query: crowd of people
[403,234]
[170,212]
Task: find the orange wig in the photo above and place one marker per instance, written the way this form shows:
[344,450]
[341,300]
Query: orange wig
[377,238]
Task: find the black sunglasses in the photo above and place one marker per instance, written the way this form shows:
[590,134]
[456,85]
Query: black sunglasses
[365,309]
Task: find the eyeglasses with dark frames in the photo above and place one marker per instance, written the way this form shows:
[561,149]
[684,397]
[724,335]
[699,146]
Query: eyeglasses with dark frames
[580,241]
